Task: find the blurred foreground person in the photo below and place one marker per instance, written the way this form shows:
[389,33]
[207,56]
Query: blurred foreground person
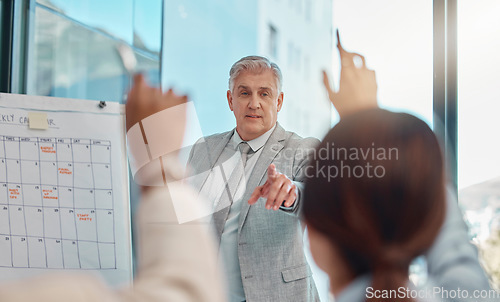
[365,228]
[378,199]
[171,266]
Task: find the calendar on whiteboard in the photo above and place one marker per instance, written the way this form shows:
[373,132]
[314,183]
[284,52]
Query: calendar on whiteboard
[56,202]
[63,190]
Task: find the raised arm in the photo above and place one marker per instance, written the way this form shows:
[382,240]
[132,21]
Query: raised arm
[170,265]
[358,85]
[452,260]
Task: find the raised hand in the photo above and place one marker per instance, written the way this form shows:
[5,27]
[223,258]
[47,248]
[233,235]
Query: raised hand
[358,85]
[278,189]
[144,100]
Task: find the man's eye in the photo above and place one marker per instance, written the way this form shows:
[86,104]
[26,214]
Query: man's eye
[265,94]
[244,93]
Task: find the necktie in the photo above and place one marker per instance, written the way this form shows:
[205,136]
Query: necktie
[222,209]
[244,149]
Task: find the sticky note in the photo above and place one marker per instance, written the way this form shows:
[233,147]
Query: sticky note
[38,120]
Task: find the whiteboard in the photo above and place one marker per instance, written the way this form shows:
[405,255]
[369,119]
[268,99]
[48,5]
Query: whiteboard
[64,203]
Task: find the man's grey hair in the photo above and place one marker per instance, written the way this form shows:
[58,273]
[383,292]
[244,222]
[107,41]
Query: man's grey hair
[255,64]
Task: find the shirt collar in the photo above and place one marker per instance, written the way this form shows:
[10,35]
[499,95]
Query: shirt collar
[256,143]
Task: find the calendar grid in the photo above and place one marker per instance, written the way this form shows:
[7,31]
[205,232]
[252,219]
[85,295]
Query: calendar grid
[55,238]
[56,207]
[95,205]
[59,206]
[58,211]
[24,212]
[41,198]
[112,203]
[74,209]
[7,198]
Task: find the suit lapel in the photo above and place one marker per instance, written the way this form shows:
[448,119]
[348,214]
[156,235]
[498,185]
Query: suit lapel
[205,162]
[216,145]
[273,146]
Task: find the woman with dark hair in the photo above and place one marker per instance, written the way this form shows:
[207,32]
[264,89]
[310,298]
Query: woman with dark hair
[380,203]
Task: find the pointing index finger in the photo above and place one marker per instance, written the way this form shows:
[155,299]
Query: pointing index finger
[271,171]
[257,193]
[138,78]
[346,58]
[339,44]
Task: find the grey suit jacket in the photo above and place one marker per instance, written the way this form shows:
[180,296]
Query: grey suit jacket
[270,247]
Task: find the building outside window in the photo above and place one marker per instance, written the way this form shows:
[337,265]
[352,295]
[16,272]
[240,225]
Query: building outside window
[72,47]
[479,127]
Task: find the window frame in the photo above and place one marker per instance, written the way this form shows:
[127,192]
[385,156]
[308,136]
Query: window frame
[445,83]
[6,24]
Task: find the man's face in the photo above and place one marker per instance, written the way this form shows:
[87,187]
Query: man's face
[255,103]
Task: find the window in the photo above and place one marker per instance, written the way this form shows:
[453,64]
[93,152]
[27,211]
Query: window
[479,126]
[6,41]
[75,60]
[399,49]
[478,94]
[396,38]
[112,17]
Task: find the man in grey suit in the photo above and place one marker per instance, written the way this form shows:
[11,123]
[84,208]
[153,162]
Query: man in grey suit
[254,176]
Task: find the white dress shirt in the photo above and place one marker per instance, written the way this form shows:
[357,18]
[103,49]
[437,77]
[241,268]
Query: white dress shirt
[228,254]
